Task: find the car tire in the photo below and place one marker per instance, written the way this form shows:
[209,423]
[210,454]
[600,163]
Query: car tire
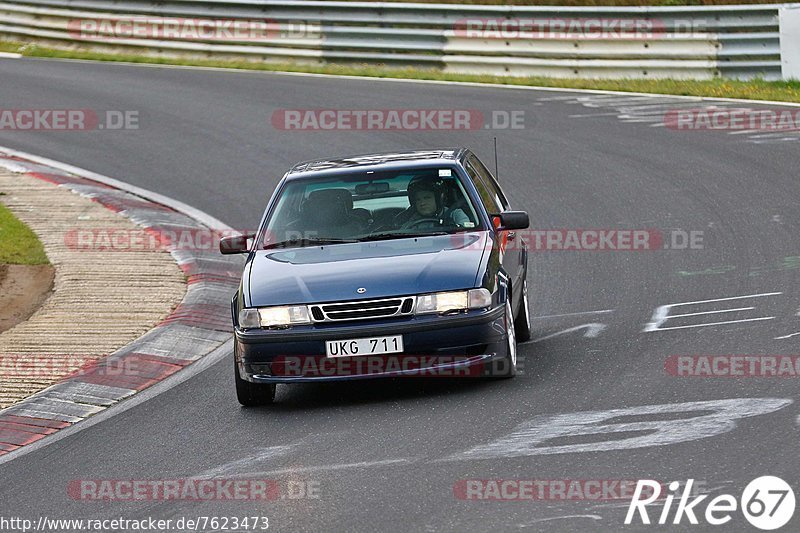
[253,394]
[506,367]
[522,324]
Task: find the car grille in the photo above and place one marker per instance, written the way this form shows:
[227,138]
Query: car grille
[363,309]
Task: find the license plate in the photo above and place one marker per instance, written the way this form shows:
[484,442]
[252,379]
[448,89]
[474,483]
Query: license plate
[367,346]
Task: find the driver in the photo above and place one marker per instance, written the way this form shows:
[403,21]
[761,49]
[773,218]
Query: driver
[426,194]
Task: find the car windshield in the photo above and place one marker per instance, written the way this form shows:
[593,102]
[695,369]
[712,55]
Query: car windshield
[369,206]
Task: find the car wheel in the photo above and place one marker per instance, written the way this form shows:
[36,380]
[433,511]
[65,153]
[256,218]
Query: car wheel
[253,394]
[507,366]
[522,324]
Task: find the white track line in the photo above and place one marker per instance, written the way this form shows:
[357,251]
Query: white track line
[181,207]
[433,82]
[163,386]
[149,393]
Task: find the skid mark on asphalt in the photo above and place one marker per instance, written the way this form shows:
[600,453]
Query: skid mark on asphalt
[653,110]
[244,467]
[245,463]
[784,264]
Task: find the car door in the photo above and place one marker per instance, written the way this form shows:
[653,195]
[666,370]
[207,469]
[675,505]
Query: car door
[513,254]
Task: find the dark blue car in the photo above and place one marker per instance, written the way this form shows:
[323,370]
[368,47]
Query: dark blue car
[395,264]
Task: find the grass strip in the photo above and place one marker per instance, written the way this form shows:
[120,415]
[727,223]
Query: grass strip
[18,244]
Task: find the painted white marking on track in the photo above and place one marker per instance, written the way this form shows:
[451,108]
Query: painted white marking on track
[593,93]
[590,115]
[654,112]
[8,55]
[701,420]
[713,312]
[744,132]
[661,314]
[787,336]
[592,330]
[320,468]
[201,365]
[577,314]
[567,517]
[716,323]
[158,198]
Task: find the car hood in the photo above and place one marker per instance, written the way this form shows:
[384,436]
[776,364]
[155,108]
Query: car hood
[382,268]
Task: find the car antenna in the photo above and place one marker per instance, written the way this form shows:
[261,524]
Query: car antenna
[496,173]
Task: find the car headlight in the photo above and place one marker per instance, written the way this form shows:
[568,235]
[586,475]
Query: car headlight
[266,317]
[443,302]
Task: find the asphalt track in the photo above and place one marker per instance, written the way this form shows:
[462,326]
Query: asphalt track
[386,455]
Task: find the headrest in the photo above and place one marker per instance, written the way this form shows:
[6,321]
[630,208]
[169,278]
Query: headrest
[340,197]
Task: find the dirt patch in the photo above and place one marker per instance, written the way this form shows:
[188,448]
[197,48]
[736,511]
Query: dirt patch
[23,289]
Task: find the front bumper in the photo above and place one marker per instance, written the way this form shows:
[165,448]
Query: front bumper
[456,345]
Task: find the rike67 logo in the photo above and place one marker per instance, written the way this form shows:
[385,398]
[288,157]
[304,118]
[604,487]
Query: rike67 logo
[767,503]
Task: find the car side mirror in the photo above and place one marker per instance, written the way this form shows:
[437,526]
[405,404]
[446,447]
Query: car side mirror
[511,220]
[235,244]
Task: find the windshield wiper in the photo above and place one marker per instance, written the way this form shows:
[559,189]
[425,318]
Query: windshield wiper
[306,242]
[390,235]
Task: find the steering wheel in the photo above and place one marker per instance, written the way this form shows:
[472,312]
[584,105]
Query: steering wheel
[416,223]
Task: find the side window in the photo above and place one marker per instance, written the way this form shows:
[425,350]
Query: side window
[489,199]
[458,200]
[490,182]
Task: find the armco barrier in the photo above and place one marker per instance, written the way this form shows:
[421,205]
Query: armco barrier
[680,42]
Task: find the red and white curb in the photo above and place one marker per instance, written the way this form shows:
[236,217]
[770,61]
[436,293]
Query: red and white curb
[199,326]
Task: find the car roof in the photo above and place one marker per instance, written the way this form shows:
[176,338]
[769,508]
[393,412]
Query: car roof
[377,162]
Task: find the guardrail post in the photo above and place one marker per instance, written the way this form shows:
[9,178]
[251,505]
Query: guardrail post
[790,41]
